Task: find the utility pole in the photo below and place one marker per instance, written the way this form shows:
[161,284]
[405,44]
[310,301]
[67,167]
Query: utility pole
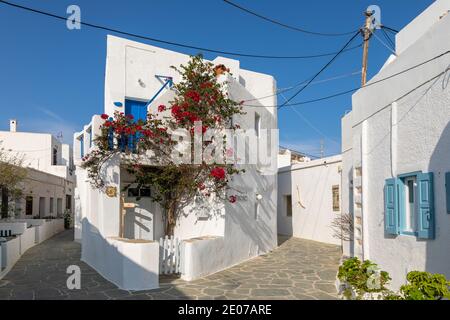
[366,32]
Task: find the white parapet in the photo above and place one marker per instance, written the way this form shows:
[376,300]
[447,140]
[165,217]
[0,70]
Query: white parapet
[197,257]
[16,228]
[129,264]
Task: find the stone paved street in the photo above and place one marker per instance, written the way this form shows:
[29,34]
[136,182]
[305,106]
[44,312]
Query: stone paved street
[298,269]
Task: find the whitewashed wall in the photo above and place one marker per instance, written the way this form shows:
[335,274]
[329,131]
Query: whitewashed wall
[418,140]
[310,185]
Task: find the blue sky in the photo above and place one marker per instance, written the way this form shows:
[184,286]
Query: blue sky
[52,79]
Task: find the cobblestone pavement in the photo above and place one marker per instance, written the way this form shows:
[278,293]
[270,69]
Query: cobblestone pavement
[298,269]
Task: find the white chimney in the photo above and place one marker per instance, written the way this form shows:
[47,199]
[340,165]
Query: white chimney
[13,125]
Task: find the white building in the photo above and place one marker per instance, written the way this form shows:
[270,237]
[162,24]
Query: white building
[214,237]
[309,199]
[396,146]
[49,186]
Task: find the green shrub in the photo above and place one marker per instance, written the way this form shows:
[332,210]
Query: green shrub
[67,219]
[361,278]
[425,286]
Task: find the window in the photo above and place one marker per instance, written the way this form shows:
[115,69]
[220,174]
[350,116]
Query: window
[410,186]
[52,205]
[409,205]
[256,211]
[257,124]
[42,212]
[29,205]
[89,132]
[142,192]
[335,195]
[68,202]
[288,202]
[55,156]
[59,206]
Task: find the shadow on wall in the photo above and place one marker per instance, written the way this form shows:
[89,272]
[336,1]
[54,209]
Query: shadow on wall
[351,244]
[437,257]
[284,223]
[107,259]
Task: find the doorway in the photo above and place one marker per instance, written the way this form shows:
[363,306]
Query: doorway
[41,207]
[141,221]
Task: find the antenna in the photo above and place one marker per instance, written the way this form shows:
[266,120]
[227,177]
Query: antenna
[60,136]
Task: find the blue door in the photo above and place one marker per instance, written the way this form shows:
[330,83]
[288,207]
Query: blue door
[137,109]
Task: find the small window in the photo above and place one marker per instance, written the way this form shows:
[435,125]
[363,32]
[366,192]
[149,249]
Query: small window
[335,195]
[257,211]
[55,156]
[133,192]
[143,192]
[257,124]
[59,206]
[89,132]
[52,205]
[410,185]
[68,202]
[288,202]
[29,206]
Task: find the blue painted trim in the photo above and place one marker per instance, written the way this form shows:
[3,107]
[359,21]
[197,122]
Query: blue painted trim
[411,174]
[118,104]
[169,82]
[81,138]
[409,233]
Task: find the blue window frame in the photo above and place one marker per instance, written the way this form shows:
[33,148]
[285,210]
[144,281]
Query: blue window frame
[409,205]
[81,139]
[89,131]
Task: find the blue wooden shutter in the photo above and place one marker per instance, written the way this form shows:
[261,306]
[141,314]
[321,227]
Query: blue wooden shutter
[447,190]
[391,207]
[426,206]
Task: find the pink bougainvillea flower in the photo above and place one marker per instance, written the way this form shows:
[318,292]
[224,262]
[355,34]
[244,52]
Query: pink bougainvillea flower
[218,173]
[130,116]
[201,186]
[104,116]
[161,108]
[232,199]
[194,95]
[176,110]
[148,133]
[229,152]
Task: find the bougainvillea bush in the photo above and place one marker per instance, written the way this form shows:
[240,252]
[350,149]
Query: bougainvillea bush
[147,148]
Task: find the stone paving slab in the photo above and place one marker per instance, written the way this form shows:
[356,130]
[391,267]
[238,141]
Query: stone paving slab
[297,269]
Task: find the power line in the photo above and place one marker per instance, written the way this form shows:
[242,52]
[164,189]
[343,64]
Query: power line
[134,35]
[301,152]
[355,89]
[320,71]
[283,90]
[285,25]
[391,42]
[390,29]
[392,50]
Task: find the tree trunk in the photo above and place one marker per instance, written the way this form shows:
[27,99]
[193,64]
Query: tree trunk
[5,202]
[171,221]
